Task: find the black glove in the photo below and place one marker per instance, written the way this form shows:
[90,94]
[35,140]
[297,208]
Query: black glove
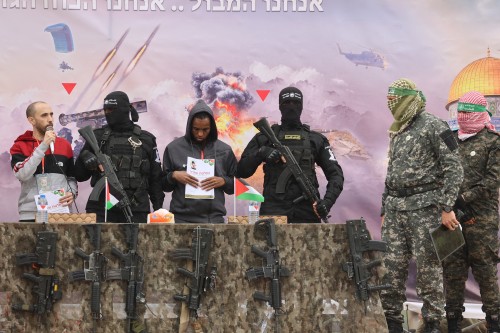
[89,160]
[323,207]
[268,154]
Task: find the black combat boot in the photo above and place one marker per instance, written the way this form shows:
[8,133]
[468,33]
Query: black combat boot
[493,323]
[394,326]
[432,326]
[454,322]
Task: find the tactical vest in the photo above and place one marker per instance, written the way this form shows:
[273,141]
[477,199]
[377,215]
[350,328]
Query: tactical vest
[300,145]
[126,152]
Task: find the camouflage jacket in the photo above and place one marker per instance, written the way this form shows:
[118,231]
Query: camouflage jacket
[480,156]
[424,160]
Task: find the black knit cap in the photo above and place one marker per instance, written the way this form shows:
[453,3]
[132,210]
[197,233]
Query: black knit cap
[290,93]
[118,100]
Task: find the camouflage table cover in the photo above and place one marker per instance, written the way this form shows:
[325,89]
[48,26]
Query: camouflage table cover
[317,297]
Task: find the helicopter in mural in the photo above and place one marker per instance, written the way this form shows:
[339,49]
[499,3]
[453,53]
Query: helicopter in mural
[365,58]
[64,66]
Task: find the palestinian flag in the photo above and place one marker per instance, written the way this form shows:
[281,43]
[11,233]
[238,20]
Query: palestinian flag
[111,200]
[243,191]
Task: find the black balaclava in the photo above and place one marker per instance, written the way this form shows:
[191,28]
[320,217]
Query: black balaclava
[290,112]
[119,119]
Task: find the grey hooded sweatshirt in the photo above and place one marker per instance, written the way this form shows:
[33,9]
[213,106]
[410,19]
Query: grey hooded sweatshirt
[175,159]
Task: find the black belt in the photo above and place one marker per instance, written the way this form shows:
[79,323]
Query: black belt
[409,191]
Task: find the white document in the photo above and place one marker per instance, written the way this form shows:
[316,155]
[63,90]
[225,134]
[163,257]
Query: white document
[201,169]
[52,204]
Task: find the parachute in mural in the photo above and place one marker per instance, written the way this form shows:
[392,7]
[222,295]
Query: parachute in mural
[63,39]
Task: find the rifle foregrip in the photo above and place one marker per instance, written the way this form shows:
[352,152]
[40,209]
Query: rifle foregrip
[131,304]
[95,302]
[276,294]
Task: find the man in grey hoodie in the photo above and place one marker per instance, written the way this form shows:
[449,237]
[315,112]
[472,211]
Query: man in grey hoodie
[200,142]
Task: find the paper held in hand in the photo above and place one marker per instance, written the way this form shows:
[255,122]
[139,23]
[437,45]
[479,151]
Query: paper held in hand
[52,205]
[201,169]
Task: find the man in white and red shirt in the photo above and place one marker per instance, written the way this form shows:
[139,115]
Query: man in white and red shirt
[41,161]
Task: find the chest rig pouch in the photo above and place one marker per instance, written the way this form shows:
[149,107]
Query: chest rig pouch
[126,152]
[300,145]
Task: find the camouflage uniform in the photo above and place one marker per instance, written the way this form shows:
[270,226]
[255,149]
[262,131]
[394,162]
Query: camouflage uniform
[424,173]
[480,155]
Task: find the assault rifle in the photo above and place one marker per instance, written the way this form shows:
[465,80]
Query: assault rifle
[272,268]
[360,242]
[94,269]
[109,172]
[46,282]
[309,192]
[132,271]
[201,278]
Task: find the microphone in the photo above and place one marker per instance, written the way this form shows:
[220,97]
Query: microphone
[50,128]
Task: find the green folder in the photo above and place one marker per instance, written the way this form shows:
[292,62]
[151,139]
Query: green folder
[446,241]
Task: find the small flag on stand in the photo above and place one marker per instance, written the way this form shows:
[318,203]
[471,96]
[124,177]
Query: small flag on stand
[110,199]
[243,191]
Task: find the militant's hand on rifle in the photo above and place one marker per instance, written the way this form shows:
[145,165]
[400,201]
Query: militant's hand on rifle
[322,208]
[89,160]
[268,154]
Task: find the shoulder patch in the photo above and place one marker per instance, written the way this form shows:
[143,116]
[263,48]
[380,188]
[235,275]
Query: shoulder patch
[157,159]
[330,151]
[449,139]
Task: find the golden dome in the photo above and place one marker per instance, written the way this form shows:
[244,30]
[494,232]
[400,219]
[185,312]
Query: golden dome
[482,75]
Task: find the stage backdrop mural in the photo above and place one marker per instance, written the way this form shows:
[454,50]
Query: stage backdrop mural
[237,55]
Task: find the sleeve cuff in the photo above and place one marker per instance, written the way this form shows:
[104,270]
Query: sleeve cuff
[170,178]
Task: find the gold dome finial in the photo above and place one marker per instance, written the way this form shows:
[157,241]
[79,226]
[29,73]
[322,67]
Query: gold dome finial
[488,53]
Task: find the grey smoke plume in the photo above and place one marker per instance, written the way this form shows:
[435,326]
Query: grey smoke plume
[225,87]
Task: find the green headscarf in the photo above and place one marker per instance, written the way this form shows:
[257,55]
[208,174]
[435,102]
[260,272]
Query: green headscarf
[408,103]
